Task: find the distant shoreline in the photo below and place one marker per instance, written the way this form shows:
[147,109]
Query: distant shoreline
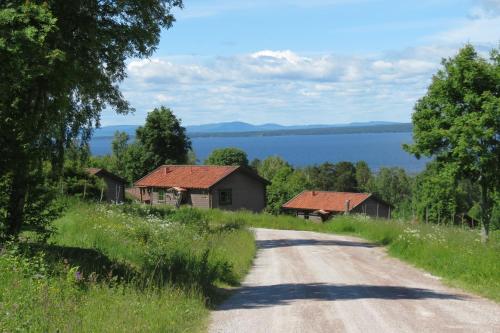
[393,128]
[390,128]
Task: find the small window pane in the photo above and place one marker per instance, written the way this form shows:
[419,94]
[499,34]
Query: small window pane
[225,197]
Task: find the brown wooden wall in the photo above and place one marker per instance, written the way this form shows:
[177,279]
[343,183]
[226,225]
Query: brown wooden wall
[115,190]
[199,198]
[247,193]
[369,207]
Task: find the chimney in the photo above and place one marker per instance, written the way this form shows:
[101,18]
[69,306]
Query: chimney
[347,207]
[314,193]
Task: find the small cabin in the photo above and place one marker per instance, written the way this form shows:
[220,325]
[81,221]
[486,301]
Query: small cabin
[320,206]
[115,185]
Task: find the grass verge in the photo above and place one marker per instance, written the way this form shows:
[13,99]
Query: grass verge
[122,269]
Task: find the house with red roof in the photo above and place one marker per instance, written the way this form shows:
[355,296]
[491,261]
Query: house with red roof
[319,206]
[204,186]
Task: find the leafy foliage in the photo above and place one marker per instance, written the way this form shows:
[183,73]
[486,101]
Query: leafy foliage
[458,122]
[163,139]
[392,185]
[227,156]
[61,65]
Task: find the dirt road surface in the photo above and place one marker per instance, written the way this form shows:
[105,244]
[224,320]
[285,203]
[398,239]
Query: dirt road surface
[311,282]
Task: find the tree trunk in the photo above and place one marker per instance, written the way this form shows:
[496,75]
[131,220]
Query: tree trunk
[485,213]
[17,198]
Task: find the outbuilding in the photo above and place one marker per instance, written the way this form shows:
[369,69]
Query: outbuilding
[115,185]
[319,206]
[204,186]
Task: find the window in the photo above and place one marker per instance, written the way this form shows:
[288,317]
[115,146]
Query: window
[161,195]
[225,197]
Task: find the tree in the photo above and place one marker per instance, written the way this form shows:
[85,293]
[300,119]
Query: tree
[163,139]
[119,147]
[255,164]
[134,163]
[345,177]
[435,194]
[61,65]
[458,122]
[285,184]
[363,176]
[332,177]
[322,177]
[392,185]
[270,166]
[227,156]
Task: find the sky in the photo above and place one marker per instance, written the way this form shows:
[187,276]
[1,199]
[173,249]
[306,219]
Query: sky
[303,62]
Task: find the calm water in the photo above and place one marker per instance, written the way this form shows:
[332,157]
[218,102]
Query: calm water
[378,150]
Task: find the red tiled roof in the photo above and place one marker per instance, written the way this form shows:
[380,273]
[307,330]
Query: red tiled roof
[186,176]
[327,201]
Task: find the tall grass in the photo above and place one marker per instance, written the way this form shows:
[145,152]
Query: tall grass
[122,268]
[453,253]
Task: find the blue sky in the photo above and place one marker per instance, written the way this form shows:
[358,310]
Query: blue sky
[303,62]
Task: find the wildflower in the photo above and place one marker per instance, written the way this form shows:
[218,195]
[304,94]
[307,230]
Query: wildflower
[78,276]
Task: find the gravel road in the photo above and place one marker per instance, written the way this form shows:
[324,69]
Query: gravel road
[312,282]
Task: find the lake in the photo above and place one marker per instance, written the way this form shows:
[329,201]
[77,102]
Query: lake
[377,149]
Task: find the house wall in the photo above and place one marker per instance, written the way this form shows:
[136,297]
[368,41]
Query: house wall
[369,207]
[247,193]
[115,190]
[312,217]
[195,198]
[168,198]
[199,198]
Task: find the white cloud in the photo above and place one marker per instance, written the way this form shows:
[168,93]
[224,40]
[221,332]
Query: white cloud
[282,86]
[481,30]
[164,98]
[296,88]
[482,26]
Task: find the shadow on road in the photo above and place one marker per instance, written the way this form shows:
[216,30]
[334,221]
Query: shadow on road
[283,294]
[274,243]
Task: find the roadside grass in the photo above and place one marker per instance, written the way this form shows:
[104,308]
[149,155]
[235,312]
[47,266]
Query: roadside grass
[452,253]
[123,268]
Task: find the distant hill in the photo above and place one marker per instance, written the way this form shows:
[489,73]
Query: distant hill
[241,127]
[389,128]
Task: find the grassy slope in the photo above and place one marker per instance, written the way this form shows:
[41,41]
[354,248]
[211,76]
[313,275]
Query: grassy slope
[110,270]
[455,254]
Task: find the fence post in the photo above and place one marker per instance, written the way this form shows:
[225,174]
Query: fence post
[102,193]
[84,189]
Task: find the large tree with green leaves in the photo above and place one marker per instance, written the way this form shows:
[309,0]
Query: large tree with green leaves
[458,123]
[61,64]
[163,139]
[227,156]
